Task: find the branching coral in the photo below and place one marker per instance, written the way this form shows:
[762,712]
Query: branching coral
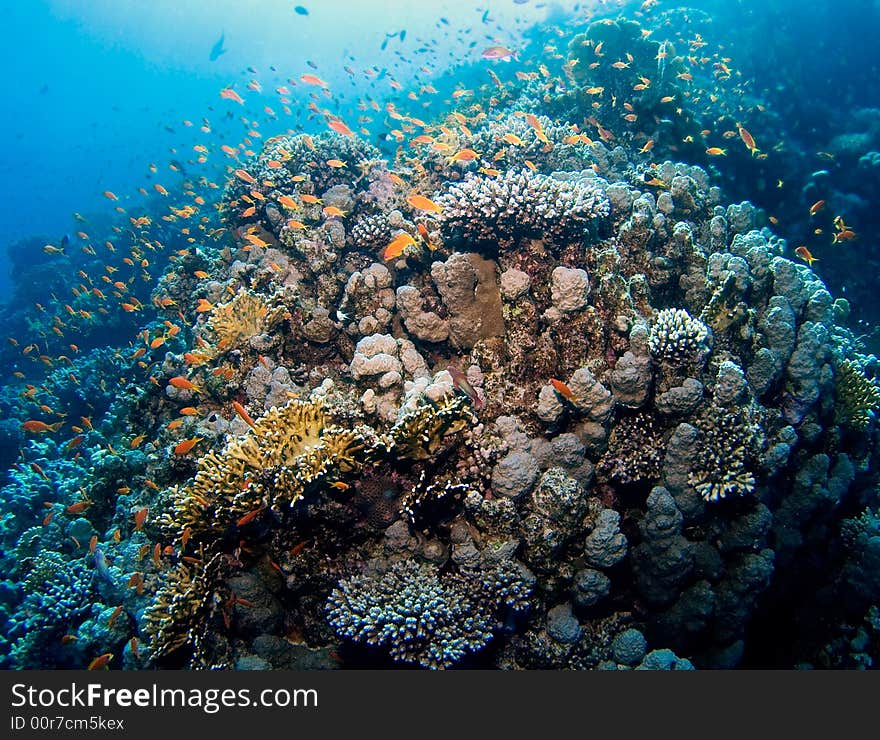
[677,337]
[521,203]
[371,231]
[635,450]
[185,614]
[430,500]
[422,617]
[858,397]
[723,457]
[231,324]
[57,591]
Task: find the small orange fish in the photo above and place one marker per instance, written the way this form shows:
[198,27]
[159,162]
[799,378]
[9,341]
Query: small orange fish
[134,647]
[142,551]
[140,517]
[245,176]
[35,426]
[114,616]
[249,517]
[562,389]
[229,94]
[715,151]
[67,639]
[184,538]
[805,255]
[332,211]
[336,163]
[189,411]
[180,382]
[79,507]
[100,662]
[240,410]
[48,518]
[340,128]
[136,442]
[75,442]
[816,207]
[93,544]
[184,447]
[396,247]
[844,235]
[464,155]
[157,555]
[288,202]
[311,79]
[422,203]
[747,139]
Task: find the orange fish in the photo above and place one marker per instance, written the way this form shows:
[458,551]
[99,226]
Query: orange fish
[79,507]
[134,647]
[93,543]
[229,94]
[249,517]
[240,410]
[816,207]
[336,163]
[100,662]
[189,411]
[747,139]
[332,211]
[715,151]
[35,426]
[288,202]
[136,442]
[110,195]
[184,447]
[157,555]
[180,382]
[423,204]
[464,155]
[396,247]
[805,255]
[245,176]
[184,538]
[311,79]
[844,235]
[113,617]
[562,389]
[139,518]
[75,442]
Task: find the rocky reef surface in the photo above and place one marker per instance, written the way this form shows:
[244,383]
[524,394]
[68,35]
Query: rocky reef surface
[586,416]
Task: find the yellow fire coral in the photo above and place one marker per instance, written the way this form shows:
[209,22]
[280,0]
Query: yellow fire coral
[183,612]
[246,315]
[270,466]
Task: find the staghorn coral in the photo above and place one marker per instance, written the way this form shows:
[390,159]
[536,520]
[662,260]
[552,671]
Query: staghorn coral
[424,618]
[518,204]
[858,397]
[248,314]
[677,337]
